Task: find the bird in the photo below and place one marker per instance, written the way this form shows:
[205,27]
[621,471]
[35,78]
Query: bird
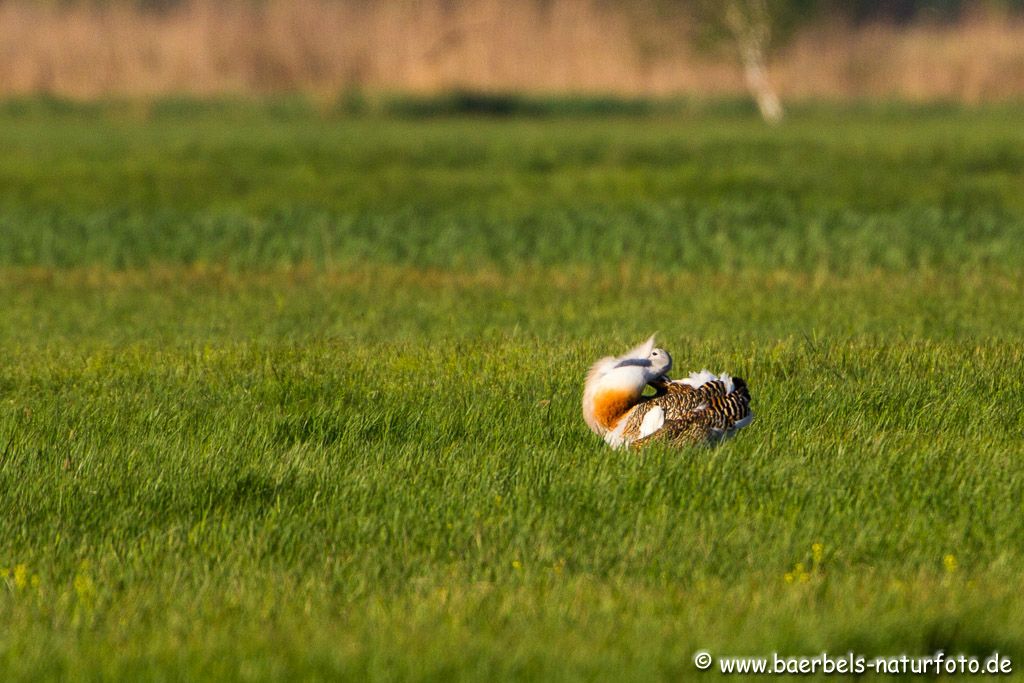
[701,408]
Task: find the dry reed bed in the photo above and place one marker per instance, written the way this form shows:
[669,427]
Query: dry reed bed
[321,47]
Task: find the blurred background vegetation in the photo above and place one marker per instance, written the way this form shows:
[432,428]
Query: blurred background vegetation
[905,50]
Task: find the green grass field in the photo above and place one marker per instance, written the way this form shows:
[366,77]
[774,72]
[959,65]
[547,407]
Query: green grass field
[285,396]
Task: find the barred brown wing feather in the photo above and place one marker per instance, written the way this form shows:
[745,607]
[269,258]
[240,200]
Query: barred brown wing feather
[726,411]
[701,414]
[740,387]
[689,430]
[682,399]
[636,418]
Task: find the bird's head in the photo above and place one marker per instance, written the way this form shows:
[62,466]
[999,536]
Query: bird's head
[616,383]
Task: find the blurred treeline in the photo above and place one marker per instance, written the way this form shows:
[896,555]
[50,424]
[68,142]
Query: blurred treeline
[864,50]
[909,10]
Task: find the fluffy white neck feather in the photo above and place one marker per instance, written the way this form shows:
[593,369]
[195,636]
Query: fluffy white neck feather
[614,385]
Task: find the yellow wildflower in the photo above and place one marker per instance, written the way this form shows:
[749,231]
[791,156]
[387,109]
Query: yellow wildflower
[799,574]
[817,553]
[516,564]
[950,563]
[20,576]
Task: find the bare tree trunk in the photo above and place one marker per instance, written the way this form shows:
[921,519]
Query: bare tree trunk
[750,24]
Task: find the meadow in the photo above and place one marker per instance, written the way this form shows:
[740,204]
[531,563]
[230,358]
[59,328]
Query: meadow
[290,394]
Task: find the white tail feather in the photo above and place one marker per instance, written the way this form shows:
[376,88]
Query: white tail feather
[699,379]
